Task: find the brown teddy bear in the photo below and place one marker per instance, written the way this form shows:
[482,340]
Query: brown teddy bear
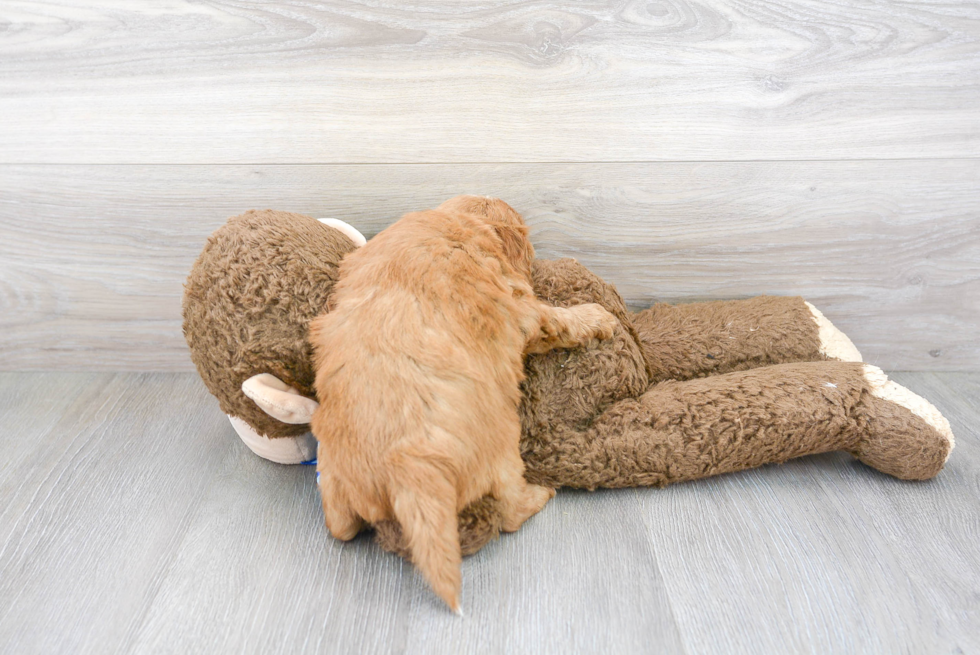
[680,392]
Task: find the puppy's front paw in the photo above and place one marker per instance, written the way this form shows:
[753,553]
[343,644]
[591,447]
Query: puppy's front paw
[599,322]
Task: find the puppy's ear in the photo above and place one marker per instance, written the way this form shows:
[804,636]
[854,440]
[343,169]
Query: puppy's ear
[517,247]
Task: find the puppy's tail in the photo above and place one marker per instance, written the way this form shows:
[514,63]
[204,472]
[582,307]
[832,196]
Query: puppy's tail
[424,502]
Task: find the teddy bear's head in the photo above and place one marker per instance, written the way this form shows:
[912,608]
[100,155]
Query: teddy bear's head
[260,279]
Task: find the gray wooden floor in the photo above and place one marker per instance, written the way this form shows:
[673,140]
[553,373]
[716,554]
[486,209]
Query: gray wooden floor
[133,521]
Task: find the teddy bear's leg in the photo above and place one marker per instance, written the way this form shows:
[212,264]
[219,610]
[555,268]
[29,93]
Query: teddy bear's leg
[692,429]
[681,342]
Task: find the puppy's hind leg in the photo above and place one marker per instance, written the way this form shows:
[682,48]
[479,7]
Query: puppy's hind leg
[342,521]
[558,327]
[518,500]
[424,503]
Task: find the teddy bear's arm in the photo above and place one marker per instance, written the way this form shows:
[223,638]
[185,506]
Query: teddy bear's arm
[682,342]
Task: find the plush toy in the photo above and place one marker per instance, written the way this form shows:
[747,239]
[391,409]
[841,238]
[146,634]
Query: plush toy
[680,392]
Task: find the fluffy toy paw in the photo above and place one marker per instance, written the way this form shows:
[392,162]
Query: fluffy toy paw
[906,436]
[833,342]
[883,387]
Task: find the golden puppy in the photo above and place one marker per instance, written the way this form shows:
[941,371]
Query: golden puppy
[418,364]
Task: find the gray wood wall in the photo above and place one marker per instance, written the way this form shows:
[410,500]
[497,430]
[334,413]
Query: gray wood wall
[683,150]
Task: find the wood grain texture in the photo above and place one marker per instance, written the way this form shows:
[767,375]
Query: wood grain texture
[91,273]
[878,565]
[333,81]
[33,405]
[138,528]
[291,584]
[99,504]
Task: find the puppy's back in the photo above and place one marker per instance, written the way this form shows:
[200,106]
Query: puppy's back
[418,371]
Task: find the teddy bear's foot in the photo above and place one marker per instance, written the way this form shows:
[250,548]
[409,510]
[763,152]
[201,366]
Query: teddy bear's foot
[907,437]
[834,343]
[282,450]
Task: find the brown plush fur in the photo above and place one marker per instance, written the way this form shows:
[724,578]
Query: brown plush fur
[693,340]
[259,281]
[419,363]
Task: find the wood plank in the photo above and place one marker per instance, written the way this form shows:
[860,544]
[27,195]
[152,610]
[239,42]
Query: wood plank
[258,572]
[330,81]
[96,515]
[935,534]
[92,258]
[825,555]
[150,530]
[580,577]
[31,406]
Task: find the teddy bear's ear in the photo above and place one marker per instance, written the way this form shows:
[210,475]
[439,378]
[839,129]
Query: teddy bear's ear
[349,230]
[279,400]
